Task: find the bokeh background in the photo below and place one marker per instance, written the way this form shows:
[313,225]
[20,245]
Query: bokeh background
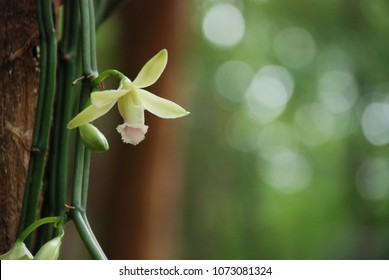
[285,152]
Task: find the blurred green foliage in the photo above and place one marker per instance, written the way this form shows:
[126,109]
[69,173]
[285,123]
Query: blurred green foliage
[287,149]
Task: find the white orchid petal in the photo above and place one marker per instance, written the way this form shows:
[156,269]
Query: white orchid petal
[131,109]
[89,114]
[159,106]
[106,97]
[152,70]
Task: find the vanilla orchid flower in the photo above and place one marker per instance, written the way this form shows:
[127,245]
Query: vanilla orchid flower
[132,100]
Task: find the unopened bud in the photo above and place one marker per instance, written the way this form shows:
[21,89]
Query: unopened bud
[19,251]
[49,250]
[93,139]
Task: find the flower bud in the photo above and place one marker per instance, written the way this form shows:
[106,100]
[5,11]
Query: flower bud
[18,251]
[50,250]
[93,139]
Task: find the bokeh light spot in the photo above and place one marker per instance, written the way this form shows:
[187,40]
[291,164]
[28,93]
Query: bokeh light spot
[314,123]
[287,171]
[376,12]
[241,132]
[232,79]
[276,137]
[372,178]
[269,92]
[295,47]
[375,123]
[338,91]
[224,25]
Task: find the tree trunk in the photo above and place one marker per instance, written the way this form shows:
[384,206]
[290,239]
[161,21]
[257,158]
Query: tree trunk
[19,76]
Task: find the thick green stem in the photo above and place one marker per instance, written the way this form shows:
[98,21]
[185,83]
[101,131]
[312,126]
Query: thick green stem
[82,154]
[56,192]
[85,181]
[86,37]
[76,13]
[82,160]
[66,96]
[87,235]
[48,45]
[92,31]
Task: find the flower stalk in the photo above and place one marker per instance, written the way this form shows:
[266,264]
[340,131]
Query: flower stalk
[82,154]
[49,251]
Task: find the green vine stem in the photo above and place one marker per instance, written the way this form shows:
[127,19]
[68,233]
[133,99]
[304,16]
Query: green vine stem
[85,181]
[81,163]
[67,71]
[48,45]
[55,220]
[101,77]
[55,197]
[76,47]
[82,154]
[87,236]
[92,32]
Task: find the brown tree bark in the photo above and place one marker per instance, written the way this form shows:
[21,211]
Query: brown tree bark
[19,75]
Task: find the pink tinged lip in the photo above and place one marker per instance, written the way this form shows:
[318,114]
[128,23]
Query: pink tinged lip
[132,135]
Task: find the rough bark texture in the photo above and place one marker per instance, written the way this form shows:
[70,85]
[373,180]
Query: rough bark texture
[19,76]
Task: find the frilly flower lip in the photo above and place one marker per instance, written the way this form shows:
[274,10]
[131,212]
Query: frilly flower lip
[132,100]
[132,135]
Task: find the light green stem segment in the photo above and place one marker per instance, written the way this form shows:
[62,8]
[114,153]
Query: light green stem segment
[82,154]
[56,220]
[100,78]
